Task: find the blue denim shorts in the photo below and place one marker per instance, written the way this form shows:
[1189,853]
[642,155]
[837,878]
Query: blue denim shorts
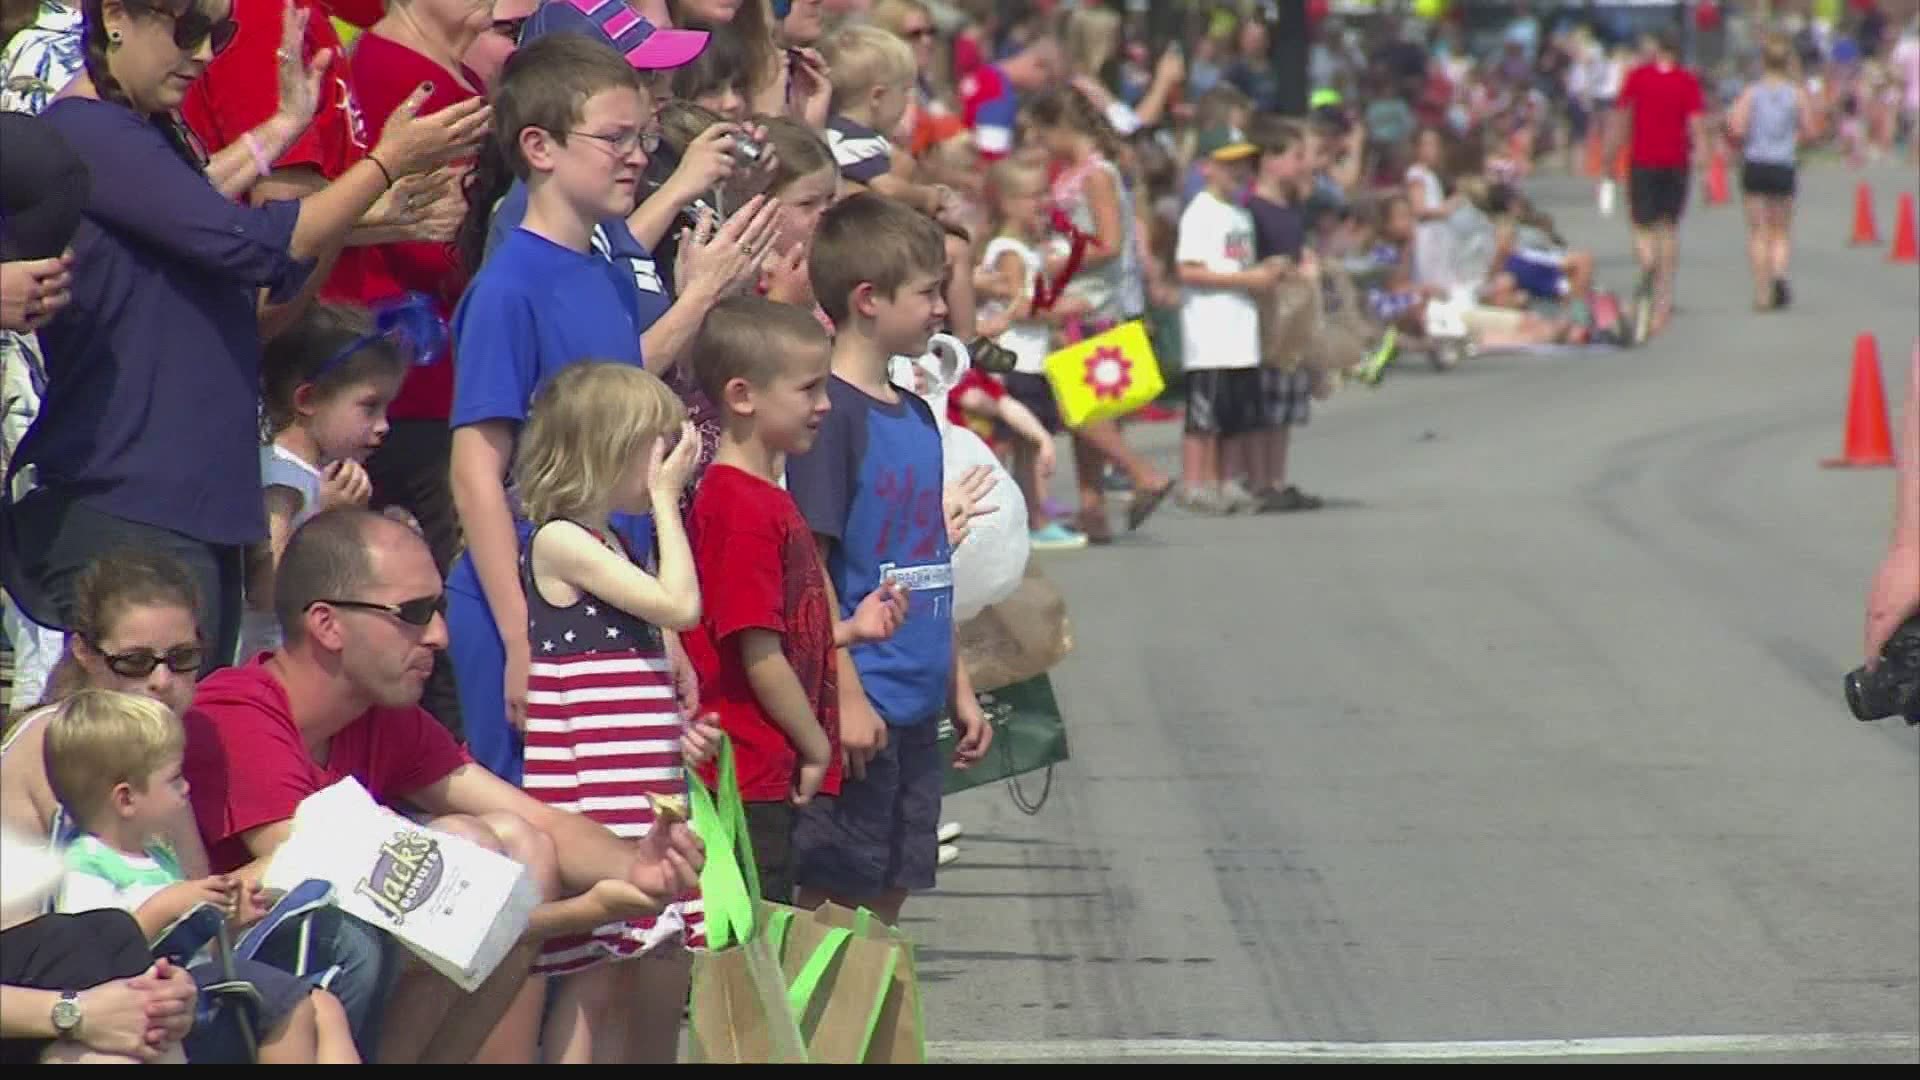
[882,832]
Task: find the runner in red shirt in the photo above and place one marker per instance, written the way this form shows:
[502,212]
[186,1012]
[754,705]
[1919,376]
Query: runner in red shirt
[1661,115]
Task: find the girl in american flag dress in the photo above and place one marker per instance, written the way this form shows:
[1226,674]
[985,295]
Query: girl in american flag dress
[604,734]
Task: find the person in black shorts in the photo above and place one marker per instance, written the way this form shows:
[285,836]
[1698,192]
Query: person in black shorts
[1768,120]
[1661,116]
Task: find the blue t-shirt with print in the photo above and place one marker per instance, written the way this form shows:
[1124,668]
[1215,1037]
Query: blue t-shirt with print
[873,483]
[611,240]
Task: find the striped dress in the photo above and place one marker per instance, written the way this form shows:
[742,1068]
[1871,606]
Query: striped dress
[603,733]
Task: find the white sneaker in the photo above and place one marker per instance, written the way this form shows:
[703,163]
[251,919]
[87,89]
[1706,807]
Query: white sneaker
[951,831]
[948,853]
[1237,499]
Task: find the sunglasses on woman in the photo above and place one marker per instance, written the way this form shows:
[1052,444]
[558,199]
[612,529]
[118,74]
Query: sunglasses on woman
[416,612]
[191,27]
[139,663]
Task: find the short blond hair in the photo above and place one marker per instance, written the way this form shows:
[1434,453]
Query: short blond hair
[582,433]
[863,56]
[99,739]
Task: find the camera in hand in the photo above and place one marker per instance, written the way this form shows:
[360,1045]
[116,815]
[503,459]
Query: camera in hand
[747,150]
[1893,686]
[991,356]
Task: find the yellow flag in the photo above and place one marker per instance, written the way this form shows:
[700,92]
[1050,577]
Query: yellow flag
[347,32]
[1105,376]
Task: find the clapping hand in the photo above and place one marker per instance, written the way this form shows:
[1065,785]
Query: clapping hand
[964,501]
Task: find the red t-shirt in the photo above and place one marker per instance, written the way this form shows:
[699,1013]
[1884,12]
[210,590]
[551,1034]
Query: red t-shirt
[760,570]
[241,90]
[383,74]
[248,767]
[1664,100]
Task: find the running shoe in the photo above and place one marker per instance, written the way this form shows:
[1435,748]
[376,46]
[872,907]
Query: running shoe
[1375,366]
[1642,328]
[951,831]
[1054,536]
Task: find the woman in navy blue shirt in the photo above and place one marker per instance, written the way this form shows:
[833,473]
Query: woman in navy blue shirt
[148,435]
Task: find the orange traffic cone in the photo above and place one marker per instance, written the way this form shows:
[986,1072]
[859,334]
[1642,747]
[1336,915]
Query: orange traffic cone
[1906,247]
[1865,232]
[1869,443]
[1717,188]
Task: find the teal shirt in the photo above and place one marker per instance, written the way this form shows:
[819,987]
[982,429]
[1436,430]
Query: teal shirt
[100,877]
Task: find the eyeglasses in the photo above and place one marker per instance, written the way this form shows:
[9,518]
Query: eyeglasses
[919,33]
[416,612]
[409,323]
[139,663]
[509,28]
[190,28]
[625,143]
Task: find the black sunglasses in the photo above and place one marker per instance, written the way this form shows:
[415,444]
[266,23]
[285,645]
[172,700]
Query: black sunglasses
[192,27]
[139,663]
[509,28]
[416,612]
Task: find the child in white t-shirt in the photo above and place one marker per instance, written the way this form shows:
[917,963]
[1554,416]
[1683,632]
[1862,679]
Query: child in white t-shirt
[326,384]
[1220,329]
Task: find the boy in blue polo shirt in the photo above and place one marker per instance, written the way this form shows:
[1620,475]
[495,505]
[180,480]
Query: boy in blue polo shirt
[871,489]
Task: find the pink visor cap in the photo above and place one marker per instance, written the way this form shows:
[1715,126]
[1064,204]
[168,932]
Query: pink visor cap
[646,46]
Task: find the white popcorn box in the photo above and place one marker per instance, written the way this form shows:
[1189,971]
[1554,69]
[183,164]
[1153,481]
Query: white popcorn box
[456,905]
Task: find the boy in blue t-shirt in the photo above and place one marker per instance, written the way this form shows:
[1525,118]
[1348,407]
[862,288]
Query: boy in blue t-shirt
[570,114]
[871,489]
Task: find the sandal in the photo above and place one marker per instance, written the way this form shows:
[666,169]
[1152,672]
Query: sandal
[1095,527]
[1145,503]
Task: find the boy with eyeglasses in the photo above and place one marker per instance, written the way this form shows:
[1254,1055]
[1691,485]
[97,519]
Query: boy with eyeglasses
[572,119]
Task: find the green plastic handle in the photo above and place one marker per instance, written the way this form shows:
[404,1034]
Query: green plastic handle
[807,981]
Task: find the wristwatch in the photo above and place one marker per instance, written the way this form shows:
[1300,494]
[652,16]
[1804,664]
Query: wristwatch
[66,1015]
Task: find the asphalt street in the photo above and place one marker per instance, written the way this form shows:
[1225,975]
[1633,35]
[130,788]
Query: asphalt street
[1535,736]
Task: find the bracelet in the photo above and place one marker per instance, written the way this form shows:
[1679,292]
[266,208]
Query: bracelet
[384,174]
[261,166]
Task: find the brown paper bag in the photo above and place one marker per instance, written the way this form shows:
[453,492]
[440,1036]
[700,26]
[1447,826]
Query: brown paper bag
[899,1030]
[837,981]
[1025,635]
[740,1008]
[1340,336]
[1289,315]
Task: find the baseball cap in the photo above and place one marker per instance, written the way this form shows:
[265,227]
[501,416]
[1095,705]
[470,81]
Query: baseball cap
[646,46]
[1225,144]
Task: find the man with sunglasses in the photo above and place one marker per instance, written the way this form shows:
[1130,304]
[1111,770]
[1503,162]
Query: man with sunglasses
[359,599]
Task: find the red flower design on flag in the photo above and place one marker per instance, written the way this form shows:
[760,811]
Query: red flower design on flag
[1109,373]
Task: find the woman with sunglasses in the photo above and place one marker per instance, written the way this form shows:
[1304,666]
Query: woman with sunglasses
[134,630]
[148,434]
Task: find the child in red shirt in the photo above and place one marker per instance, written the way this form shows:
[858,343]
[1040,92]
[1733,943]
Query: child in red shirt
[766,650]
